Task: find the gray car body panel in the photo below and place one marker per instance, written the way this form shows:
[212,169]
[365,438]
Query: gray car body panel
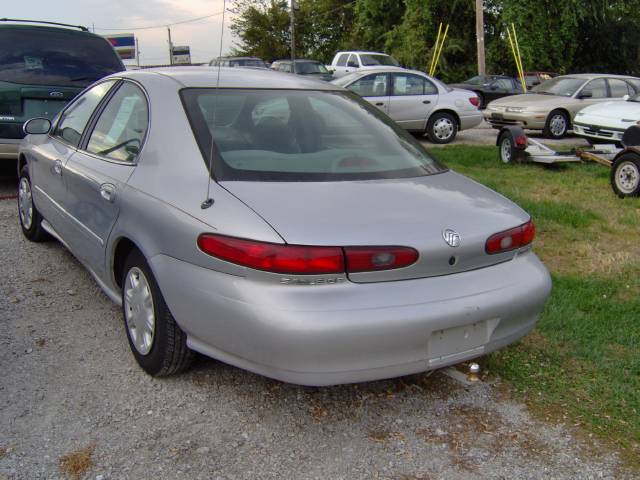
[321,329]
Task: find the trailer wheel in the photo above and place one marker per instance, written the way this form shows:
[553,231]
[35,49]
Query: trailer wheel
[625,175]
[507,151]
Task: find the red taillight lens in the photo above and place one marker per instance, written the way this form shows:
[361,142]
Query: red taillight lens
[368,259]
[511,239]
[304,260]
[475,101]
[273,257]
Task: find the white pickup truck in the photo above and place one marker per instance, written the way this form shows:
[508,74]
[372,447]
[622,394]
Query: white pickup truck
[348,62]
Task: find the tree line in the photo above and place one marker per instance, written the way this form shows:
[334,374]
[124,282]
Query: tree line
[563,36]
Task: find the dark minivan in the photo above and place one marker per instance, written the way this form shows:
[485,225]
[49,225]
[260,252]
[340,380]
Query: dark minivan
[41,69]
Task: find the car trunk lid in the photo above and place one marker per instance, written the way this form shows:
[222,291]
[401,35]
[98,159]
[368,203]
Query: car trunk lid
[414,212]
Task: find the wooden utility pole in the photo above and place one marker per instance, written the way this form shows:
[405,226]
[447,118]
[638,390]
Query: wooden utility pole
[170,47]
[480,36]
[294,6]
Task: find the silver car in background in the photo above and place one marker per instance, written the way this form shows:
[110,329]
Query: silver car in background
[278,224]
[416,102]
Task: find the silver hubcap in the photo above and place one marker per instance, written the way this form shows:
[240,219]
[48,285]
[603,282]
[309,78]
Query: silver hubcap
[138,309]
[505,151]
[558,125]
[25,203]
[443,128]
[627,177]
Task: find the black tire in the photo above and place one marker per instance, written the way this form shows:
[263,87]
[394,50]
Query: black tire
[625,175]
[28,215]
[557,125]
[442,128]
[507,152]
[168,353]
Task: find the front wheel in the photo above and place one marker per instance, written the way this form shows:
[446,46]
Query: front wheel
[557,125]
[157,342]
[625,175]
[30,218]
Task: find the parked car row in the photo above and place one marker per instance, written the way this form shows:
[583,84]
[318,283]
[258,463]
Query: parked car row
[553,105]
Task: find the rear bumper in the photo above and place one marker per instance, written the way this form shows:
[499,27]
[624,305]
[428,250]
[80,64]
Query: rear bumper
[470,120]
[9,148]
[344,333]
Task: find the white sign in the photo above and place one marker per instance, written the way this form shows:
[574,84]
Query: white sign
[181,55]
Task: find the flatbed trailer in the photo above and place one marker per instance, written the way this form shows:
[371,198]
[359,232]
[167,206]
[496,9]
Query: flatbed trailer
[514,146]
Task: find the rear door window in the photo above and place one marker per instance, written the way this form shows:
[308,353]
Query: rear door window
[75,118]
[122,125]
[404,84]
[619,88]
[39,56]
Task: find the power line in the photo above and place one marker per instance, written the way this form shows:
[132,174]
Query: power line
[164,25]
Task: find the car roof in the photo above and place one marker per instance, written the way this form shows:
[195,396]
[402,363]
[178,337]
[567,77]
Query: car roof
[206,77]
[589,76]
[363,51]
[301,60]
[46,28]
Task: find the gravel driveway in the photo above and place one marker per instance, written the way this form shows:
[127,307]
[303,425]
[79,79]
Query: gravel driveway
[70,383]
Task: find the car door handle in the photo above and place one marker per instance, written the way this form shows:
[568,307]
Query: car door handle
[108,192]
[426,102]
[57,167]
[379,104]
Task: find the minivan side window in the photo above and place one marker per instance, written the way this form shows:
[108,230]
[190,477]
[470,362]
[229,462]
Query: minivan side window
[122,125]
[74,119]
[619,88]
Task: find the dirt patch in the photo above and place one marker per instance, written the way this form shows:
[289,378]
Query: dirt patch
[75,464]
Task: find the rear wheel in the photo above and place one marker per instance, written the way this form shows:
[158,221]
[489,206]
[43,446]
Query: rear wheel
[507,151]
[557,125]
[157,342]
[625,175]
[30,218]
[442,127]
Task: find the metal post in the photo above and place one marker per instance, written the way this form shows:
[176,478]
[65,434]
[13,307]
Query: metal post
[294,6]
[137,52]
[480,36]
[170,47]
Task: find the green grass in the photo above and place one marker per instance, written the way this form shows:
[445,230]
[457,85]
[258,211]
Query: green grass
[582,362]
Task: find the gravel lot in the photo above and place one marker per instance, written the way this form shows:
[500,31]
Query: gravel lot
[69,382]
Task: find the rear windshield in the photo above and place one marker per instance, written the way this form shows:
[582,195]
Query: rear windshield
[45,57]
[308,68]
[368,60]
[562,86]
[247,62]
[292,135]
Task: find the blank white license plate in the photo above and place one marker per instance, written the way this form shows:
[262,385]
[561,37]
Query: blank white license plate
[445,345]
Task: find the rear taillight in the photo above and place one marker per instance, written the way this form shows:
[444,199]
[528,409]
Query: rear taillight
[475,101]
[370,259]
[273,257]
[511,239]
[305,260]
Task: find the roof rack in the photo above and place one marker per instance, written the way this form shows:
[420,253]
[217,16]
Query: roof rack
[84,29]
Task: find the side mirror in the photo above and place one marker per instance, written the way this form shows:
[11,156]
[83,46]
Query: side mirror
[493,86]
[586,94]
[625,98]
[37,126]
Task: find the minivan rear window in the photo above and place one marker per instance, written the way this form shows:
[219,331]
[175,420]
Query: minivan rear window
[38,56]
[294,135]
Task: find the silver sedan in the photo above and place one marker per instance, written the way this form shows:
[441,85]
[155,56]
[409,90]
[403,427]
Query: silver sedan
[278,224]
[416,102]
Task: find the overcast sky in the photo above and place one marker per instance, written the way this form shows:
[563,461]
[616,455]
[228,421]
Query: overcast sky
[203,36]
